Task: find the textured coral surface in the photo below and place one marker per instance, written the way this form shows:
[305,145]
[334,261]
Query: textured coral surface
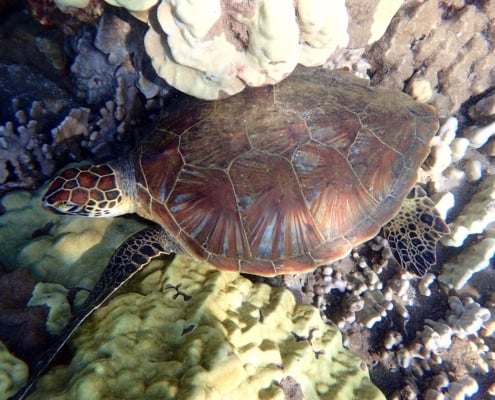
[193,332]
[181,329]
[448,43]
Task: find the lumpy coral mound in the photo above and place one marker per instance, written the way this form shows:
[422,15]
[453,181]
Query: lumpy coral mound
[192,332]
[179,329]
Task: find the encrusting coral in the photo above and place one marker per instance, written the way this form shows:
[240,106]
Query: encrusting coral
[236,44]
[12,372]
[184,330]
[67,258]
[194,332]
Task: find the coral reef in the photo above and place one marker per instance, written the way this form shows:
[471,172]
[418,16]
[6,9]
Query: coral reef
[65,15]
[68,259]
[36,141]
[12,372]
[23,160]
[430,338]
[217,54]
[109,64]
[254,44]
[435,343]
[236,44]
[454,332]
[213,334]
[214,49]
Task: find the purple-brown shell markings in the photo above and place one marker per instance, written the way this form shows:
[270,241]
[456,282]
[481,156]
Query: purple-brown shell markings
[283,178]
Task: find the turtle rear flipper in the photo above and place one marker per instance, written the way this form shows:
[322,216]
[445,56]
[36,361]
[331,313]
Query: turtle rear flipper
[414,232]
[129,258]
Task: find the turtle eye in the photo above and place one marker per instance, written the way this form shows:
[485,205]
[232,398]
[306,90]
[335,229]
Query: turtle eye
[61,207]
[55,209]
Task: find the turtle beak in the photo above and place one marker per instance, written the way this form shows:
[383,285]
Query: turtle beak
[51,208]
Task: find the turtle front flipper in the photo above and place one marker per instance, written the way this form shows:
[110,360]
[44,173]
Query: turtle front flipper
[129,258]
[414,232]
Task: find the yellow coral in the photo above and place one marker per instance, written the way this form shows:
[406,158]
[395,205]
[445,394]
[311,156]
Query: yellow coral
[54,248]
[12,373]
[188,331]
[184,330]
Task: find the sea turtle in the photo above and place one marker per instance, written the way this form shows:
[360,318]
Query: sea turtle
[275,180]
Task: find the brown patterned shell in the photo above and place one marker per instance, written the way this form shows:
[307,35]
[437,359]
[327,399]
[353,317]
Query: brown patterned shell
[284,178]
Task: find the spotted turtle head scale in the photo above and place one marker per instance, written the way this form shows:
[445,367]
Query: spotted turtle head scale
[90,191]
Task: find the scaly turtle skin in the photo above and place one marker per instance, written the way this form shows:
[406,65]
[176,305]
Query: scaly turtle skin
[275,180]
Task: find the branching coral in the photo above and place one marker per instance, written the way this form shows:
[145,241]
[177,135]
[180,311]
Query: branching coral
[25,156]
[43,126]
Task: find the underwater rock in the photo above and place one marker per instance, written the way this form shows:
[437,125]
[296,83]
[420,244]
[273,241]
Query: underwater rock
[22,327]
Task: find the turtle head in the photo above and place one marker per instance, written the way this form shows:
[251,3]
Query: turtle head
[89,190]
